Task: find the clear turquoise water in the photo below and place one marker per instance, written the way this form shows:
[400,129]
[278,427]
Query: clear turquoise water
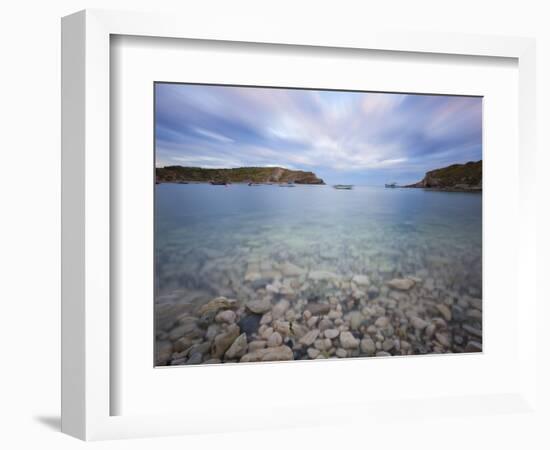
[206,236]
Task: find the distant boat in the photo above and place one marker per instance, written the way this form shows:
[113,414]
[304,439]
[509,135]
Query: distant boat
[254,184]
[219,183]
[391,185]
[346,187]
[182,182]
[289,184]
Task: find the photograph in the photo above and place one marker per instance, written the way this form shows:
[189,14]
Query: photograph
[310,224]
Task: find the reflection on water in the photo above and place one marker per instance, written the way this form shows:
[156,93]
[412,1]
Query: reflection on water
[384,271]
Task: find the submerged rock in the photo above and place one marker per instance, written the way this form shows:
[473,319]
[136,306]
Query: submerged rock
[361,280]
[401,284]
[238,347]
[249,324]
[213,306]
[348,341]
[309,337]
[281,353]
[291,270]
[259,306]
[444,311]
[317,309]
[223,341]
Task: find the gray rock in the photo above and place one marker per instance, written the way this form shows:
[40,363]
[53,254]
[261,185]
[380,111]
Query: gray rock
[259,306]
[348,341]
[249,324]
[317,309]
[368,346]
[383,354]
[196,358]
[227,316]
[401,284]
[321,275]
[341,353]
[387,345]
[323,344]
[313,352]
[291,270]
[418,323]
[280,309]
[443,339]
[361,280]
[331,333]
[382,322]
[355,319]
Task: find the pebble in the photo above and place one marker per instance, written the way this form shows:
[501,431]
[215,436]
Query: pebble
[238,348]
[313,352]
[249,324]
[348,341]
[402,284]
[227,316]
[309,337]
[317,309]
[256,345]
[355,319]
[361,280]
[259,306]
[223,341]
[444,311]
[443,339]
[196,358]
[368,346]
[280,309]
[341,353]
[419,323]
[282,353]
[332,333]
[275,340]
[382,322]
[387,345]
[323,344]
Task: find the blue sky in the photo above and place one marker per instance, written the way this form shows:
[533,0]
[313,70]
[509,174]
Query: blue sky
[344,137]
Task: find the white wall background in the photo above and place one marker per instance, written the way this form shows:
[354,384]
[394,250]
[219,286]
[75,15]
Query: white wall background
[30,196]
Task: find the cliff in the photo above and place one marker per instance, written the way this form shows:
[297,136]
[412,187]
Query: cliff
[174,174]
[457,177]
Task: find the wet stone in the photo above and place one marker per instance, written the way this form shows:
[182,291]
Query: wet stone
[249,324]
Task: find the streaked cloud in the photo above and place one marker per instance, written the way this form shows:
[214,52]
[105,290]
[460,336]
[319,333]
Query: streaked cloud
[361,137]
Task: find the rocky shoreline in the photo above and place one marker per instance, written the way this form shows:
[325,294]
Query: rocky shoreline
[288,312]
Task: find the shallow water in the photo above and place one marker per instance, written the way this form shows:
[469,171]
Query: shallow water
[208,238]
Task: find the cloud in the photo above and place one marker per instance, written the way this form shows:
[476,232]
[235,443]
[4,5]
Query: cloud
[332,132]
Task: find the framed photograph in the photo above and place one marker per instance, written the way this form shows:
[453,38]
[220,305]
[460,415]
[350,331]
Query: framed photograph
[344,264]
[272,210]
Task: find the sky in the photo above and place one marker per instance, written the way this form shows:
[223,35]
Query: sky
[359,138]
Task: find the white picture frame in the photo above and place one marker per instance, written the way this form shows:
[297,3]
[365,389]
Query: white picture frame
[87,385]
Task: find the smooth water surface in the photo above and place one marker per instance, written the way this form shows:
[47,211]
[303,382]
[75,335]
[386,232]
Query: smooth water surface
[211,240]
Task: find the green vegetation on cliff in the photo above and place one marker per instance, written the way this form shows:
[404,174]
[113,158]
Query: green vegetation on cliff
[459,177]
[174,174]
